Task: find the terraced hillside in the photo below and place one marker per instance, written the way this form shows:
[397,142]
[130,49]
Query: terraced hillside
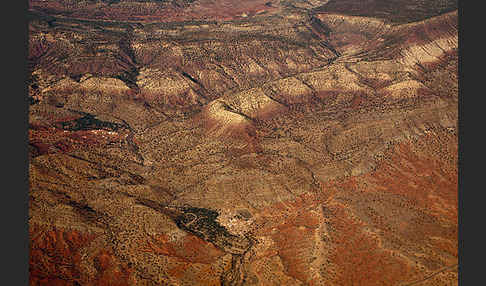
[243,142]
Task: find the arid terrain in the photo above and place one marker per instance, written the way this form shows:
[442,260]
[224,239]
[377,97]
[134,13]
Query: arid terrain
[251,142]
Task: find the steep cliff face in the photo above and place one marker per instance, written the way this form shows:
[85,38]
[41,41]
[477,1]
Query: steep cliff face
[265,143]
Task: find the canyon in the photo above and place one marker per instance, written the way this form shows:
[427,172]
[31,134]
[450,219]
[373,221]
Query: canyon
[222,142]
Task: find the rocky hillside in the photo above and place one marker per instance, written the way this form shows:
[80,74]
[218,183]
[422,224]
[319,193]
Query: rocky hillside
[243,142]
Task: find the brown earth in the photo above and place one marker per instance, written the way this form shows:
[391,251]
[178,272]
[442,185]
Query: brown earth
[243,143]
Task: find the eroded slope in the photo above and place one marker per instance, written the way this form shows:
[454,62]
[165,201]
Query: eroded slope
[305,147]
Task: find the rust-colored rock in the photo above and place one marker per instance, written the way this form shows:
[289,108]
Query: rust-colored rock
[243,142]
